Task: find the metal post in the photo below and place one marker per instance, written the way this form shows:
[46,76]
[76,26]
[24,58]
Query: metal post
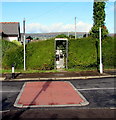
[24,44]
[68,33]
[13,73]
[55,54]
[101,66]
[75,28]
[66,54]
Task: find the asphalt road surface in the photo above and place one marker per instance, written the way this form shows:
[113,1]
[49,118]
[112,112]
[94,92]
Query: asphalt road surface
[98,92]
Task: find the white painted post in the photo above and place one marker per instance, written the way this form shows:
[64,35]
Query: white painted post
[24,44]
[75,29]
[13,69]
[101,65]
[68,33]
[67,54]
[13,73]
[55,54]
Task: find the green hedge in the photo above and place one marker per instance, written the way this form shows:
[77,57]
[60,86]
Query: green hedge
[39,55]
[5,45]
[83,53]
[13,56]
[109,54]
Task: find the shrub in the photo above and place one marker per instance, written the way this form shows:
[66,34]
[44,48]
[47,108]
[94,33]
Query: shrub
[13,56]
[62,36]
[109,54]
[82,53]
[5,45]
[16,42]
[40,55]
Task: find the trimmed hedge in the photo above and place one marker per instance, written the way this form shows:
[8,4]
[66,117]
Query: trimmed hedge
[39,55]
[109,54]
[13,56]
[5,45]
[83,53]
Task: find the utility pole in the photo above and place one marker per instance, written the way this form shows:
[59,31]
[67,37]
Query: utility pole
[75,28]
[68,33]
[101,65]
[24,43]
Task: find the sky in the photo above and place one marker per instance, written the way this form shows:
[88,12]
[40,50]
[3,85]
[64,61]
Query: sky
[44,17]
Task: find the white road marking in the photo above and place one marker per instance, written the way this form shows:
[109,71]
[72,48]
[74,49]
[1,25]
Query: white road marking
[96,89]
[112,108]
[76,88]
[9,91]
[4,111]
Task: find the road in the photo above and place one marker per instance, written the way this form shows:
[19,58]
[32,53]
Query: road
[99,93]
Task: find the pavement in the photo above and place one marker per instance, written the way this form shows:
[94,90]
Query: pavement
[58,75]
[98,92]
[60,114]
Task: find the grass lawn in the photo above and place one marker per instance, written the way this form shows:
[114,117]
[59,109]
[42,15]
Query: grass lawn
[26,71]
[47,71]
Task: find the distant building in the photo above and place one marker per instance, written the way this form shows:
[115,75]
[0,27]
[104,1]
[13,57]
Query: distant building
[112,34]
[45,36]
[10,31]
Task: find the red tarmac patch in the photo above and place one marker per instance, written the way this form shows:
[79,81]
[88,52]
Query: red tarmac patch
[49,94]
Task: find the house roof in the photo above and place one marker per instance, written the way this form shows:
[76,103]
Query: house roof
[9,28]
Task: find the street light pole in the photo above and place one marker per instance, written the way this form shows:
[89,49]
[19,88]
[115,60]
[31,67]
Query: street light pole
[101,65]
[75,28]
[24,43]
[67,54]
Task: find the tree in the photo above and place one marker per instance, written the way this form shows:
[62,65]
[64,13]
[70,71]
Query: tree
[99,20]
[71,36]
[61,36]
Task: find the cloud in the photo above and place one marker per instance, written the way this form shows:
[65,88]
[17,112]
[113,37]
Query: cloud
[83,27]
[57,27]
[52,0]
[36,27]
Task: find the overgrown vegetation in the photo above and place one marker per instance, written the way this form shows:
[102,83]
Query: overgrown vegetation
[5,45]
[13,56]
[39,55]
[83,54]
[109,54]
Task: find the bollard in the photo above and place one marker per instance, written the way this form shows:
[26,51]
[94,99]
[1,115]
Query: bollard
[13,73]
